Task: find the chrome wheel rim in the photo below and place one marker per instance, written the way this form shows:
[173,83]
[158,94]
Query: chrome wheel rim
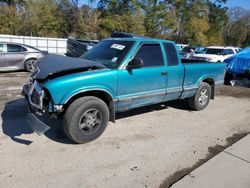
[203,97]
[31,65]
[90,121]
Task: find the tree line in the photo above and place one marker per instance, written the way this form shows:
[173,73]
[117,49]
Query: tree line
[194,22]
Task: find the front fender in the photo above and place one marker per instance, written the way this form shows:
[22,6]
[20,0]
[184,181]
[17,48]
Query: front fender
[71,94]
[63,88]
[60,98]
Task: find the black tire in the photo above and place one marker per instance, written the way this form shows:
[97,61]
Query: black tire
[80,123]
[199,101]
[30,65]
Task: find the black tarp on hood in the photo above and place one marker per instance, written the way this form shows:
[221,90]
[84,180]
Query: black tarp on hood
[56,64]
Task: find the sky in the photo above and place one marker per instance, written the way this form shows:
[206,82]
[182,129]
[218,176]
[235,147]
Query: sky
[240,3]
[230,3]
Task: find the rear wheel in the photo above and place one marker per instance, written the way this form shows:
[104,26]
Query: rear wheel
[30,65]
[201,98]
[86,119]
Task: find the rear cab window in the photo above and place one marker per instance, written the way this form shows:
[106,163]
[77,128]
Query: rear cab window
[151,54]
[171,54]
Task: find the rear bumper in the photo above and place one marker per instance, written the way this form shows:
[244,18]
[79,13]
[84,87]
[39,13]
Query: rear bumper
[33,115]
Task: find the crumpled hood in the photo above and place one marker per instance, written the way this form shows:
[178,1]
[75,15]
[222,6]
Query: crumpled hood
[57,64]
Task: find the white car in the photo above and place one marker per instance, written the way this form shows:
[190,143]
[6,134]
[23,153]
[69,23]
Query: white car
[216,54]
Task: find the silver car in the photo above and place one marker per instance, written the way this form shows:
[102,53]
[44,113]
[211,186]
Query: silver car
[14,56]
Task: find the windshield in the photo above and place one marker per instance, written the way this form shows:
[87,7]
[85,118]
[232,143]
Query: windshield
[199,50]
[215,51]
[109,52]
[187,49]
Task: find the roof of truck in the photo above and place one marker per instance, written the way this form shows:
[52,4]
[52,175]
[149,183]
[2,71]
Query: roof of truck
[134,37]
[140,39]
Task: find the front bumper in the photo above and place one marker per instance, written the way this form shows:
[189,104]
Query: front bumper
[32,119]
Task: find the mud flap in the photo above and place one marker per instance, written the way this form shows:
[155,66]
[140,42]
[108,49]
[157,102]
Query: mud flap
[36,124]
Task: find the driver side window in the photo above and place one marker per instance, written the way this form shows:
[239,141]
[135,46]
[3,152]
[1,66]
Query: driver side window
[151,54]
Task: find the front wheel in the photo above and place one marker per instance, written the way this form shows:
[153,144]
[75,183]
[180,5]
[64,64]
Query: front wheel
[30,65]
[86,119]
[201,98]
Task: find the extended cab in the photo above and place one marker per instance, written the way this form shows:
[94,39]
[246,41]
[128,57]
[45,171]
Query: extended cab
[118,74]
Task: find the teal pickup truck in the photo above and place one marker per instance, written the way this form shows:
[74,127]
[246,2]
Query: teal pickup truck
[118,74]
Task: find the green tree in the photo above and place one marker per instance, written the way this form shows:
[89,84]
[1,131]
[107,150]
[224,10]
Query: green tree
[91,21]
[197,23]
[41,18]
[237,30]
[120,16]
[190,21]
[10,19]
[69,15]
[218,19]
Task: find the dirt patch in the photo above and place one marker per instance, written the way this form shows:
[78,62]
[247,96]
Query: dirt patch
[14,74]
[212,151]
[238,92]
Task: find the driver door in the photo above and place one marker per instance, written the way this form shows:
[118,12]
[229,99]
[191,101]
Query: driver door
[144,85]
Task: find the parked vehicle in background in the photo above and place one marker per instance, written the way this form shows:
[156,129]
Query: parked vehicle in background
[188,51]
[238,66]
[235,48]
[77,47]
[180,46]
[118,74]
[15,56]
[215,54]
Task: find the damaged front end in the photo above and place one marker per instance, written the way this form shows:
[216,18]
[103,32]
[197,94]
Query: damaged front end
[39,99]
[38,105]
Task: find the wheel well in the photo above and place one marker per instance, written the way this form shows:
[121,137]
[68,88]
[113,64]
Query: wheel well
[30,59]
[210,81]
[104,96]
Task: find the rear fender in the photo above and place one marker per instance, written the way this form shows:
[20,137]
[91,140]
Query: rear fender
[210,80]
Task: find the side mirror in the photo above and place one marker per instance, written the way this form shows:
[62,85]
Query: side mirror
[135,63]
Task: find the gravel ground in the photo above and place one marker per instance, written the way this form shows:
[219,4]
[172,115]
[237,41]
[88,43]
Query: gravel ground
[11,86]
[239,92]
[144,148]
